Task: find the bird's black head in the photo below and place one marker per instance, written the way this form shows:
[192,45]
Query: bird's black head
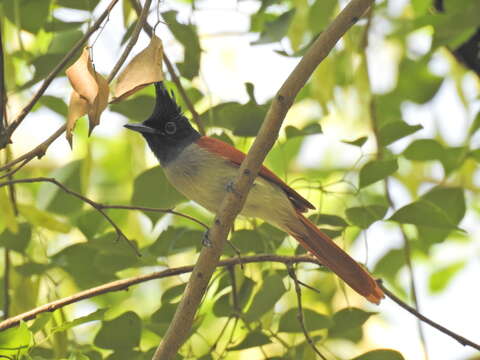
[167,131]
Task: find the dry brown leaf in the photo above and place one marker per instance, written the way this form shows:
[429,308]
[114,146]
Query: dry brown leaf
[77,107]
[100,103]
[82,77]
[89,95]
[144,69]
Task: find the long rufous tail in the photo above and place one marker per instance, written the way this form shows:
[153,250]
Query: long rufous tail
[337,260]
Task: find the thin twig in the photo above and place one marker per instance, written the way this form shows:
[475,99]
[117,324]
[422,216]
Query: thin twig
[300,317]
[3,97]
[38,151]
[126,283]
[46,83]
[6,283]
[176,80]
[232,204]
[143,208]
[133,40]
[95,205]
[375,129]
[413,311]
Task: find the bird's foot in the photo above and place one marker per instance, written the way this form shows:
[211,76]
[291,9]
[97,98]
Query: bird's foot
[206,239]
[231,188]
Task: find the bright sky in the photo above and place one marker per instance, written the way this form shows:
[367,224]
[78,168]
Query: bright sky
[230,61]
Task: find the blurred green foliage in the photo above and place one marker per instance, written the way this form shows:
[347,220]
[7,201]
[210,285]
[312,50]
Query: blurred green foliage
[58,245]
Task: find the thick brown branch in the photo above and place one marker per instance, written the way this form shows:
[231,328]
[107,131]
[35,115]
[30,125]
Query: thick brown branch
[126,283]
[46,83]
[176,80]
[430,322]
[231,205]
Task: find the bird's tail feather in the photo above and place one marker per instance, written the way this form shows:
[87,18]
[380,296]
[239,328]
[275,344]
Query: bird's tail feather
[337,260]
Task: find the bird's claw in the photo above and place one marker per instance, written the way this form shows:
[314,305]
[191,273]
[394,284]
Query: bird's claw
[206,239]
[231,187]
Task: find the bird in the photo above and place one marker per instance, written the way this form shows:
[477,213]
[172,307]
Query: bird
[203,168]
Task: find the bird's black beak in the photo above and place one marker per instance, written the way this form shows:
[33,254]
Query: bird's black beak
[143,129]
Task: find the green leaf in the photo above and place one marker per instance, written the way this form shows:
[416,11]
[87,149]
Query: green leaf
[32,268]
[348,323]
[421,6]
[176,239]
[475,124]
[16,340]
[120,334]
[31,15]
[393,131]
[18,241]
[51,198]
[253,339]
[188,37]
[243,120]
[423,213]
[43,219]
[425,85]
[289,321]
[453,158]
[424,150]
[56,25]
[390,264]
[382,354]
[96,315]
[450,199]
[247,241]
[310,129]
[91,223]
[172,293]
[79,5]
[63,41]
[364,216]
[152,189]
[138,108]
[222,306]
[55,104]
[357,142]
[320,14]
[440,279]
[376,170]
[329,219]
[266,298]
[275,30]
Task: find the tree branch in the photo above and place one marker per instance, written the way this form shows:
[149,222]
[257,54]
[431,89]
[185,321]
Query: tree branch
[232,203]
[102,207]
[430,322]
[46,83]
[142,17]
[176,80]
[38,151]
[300,318]
[126,283]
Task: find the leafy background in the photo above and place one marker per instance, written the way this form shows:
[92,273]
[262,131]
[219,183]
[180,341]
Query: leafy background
[383,140]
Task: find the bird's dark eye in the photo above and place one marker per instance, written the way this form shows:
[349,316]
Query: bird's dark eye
[170,128]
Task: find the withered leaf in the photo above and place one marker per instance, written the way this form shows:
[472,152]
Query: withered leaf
[77,107]
[89,95]
[144,69]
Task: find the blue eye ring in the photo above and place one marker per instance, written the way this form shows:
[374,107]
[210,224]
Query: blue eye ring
[170,128]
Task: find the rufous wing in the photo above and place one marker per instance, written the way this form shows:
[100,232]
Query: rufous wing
[236,156]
